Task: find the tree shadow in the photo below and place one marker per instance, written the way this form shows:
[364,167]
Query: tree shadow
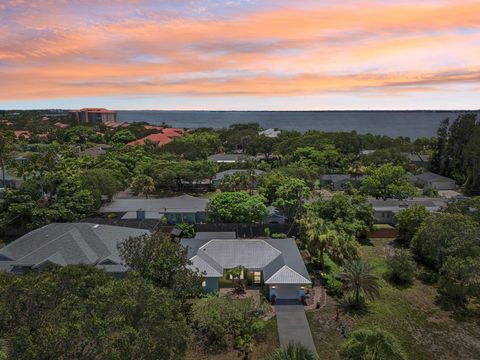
[347,307]
[366,241]
[394,282]
[460,312]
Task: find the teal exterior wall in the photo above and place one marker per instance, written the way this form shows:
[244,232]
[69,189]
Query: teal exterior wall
[211,285]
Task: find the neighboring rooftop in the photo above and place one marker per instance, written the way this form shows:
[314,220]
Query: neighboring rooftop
[272,133]
[230,158]
[432,204]
[97,150]
[67,244]
[178,204]
[432,177]
[220,175]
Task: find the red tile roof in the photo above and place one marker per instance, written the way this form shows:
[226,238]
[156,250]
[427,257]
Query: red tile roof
[99,110]
[173,132]
[150,127]
[159,139]
[20,133]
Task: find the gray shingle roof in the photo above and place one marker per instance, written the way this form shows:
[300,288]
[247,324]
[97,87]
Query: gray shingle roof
[432,177]
[230,158]
[8,177]
[432,204]
[219,176]
[178,204]
[68,243]
[279,259]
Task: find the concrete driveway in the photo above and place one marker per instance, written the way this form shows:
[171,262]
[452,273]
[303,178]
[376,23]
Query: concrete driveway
[293,325]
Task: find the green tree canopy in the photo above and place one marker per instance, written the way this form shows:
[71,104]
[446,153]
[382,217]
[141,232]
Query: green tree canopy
[440,235]
[237,207]
[408,222]
[387,181]
[163,262]
[80,311]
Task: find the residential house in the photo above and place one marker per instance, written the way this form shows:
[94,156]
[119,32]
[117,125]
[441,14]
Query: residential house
[94,115]
[271,133]
[274,265]
[97,150]
[11,181]
[419,160]
[179,209]
[218,178]
[385,210]
[230,158]
[22,134]
[275,216]
[158,139]
[61,244]
[339,182]
[434,181]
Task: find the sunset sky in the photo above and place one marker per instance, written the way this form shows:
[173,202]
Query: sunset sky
[240,54]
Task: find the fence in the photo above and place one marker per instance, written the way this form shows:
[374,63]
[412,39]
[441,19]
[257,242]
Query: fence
[242,230]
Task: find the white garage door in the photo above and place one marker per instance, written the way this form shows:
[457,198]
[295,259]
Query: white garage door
[287,291]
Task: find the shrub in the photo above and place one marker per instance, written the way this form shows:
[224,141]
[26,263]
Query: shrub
[372,344]
[188,230]
[408,221]
[332,283]
[458,279]
[266,232]
[279,236]
[294,351]
[401,267]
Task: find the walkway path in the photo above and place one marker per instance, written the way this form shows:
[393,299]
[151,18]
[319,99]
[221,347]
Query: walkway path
[293,325]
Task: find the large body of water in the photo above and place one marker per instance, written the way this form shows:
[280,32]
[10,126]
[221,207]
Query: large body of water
[413,124]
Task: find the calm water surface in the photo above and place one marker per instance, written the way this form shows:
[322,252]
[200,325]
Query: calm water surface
[412,124]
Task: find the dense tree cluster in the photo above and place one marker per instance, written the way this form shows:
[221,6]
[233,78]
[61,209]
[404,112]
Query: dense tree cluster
[457,151]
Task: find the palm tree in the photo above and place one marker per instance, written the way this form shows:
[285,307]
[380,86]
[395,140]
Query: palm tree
[5,152]
[294,351]
[320,235]
[357,278]
[143,184]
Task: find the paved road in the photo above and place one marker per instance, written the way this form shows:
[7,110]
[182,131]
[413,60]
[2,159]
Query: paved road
[293,325]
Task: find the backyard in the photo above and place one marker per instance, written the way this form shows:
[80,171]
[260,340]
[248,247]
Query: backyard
[425,330]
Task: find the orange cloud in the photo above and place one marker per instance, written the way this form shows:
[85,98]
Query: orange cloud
[356,46]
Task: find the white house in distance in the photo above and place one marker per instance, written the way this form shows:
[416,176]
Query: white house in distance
[434,181]
[271,133]
[273,263]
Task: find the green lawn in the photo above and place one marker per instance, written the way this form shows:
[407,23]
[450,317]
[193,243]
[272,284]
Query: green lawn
[425,330]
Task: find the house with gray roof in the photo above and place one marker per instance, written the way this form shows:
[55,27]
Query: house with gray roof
[218,178]
[271,133]
[97,150]
[275,216]
[434,181]
[61,244]
[419,160]
[11,181]
[272,263]
[179,209]
[385,210]
[230,158]
[339,182]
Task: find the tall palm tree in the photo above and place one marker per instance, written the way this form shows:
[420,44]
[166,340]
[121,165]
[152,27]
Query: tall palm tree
[5,152]
[294,351]
[357,278]
[320,235]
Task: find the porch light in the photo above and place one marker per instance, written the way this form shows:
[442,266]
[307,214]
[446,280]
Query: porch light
[274,287]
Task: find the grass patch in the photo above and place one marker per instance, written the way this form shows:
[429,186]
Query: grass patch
[424,329]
